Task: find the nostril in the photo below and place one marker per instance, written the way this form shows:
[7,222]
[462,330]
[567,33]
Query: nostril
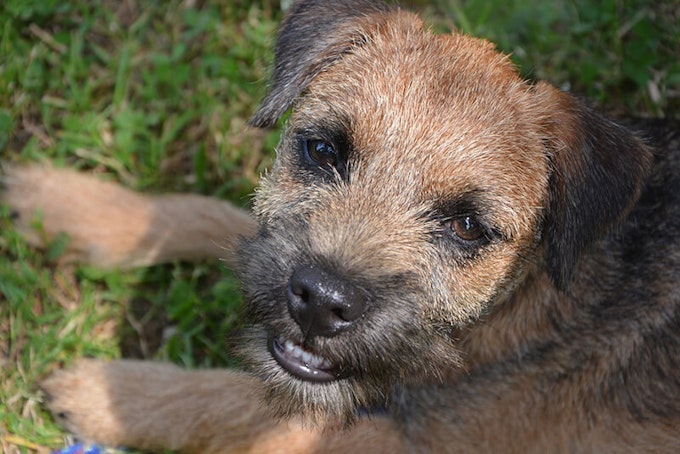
[348,308]
[300,292]
[298,299]
[339,312]
[342,314]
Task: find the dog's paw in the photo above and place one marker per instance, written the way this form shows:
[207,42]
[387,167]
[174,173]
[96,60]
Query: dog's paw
[124,403]
[81,399]
[88,220]
[18,193]
[43,204]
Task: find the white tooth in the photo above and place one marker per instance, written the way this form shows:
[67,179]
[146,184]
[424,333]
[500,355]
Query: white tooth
[317,361]
[306,357]
[288,346]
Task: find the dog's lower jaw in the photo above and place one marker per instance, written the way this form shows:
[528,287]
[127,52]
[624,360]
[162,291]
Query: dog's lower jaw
[331,403]
[302,364]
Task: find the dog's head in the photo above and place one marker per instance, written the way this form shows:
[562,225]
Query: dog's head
[419,181]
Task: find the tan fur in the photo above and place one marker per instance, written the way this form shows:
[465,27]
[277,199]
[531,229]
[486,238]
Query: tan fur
[158,405]
[554,333]
[111,226]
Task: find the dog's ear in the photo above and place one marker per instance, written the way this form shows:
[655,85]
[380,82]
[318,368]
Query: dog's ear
[598,169]
[312,36]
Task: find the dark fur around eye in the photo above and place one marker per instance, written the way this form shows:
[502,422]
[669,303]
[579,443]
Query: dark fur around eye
[324,153]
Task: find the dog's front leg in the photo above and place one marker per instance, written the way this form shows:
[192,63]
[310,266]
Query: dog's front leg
[151,405]
[111,226]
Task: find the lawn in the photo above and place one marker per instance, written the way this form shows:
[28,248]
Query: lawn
[156,95]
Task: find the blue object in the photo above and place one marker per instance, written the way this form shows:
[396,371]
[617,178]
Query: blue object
[88,449]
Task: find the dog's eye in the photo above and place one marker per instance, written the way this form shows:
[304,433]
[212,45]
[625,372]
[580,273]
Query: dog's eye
[321,152]
[324,153]
[467,228]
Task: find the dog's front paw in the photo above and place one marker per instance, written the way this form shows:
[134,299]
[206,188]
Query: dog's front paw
[104,224]
[37,194]
[127,403]
[83,401]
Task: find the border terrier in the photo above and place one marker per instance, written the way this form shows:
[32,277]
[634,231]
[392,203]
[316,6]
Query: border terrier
[444,258]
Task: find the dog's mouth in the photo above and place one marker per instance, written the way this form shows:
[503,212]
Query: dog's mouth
[302,363]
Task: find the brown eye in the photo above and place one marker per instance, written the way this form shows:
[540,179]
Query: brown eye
[467,228]
[322,153]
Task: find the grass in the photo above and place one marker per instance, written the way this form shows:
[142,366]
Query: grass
[156,95]
[622,54]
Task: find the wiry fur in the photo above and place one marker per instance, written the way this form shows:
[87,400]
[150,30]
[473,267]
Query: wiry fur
[557,331]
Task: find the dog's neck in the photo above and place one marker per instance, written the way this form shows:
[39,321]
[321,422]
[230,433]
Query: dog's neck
[514,327]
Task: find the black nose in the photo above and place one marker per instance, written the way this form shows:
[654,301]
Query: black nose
[323,304]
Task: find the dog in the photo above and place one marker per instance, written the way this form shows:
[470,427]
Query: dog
[444,258]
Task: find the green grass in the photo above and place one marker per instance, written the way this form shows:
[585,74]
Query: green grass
[156,95]
[623,54]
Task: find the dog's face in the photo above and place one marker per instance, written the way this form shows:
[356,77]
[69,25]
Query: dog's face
[412,193]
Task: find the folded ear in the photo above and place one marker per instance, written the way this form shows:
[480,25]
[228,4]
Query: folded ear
[598,170]
[312,36]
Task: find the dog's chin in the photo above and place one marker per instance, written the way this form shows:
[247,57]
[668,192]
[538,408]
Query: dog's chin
[305,385]
[325,383]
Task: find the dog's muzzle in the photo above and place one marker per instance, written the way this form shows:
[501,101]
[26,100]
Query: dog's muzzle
[323,305]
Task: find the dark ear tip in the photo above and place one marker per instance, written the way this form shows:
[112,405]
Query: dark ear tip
[312,36]
[263,119]
[599,169]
